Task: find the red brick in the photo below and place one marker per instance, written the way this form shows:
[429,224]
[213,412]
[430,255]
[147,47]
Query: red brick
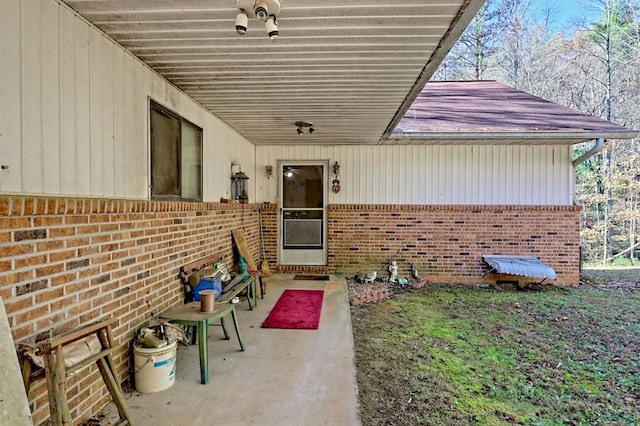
[49,245]
[30,261]
[63,255]
[58,232]
[32,314]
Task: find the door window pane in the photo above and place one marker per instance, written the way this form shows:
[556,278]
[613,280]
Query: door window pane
[302,187]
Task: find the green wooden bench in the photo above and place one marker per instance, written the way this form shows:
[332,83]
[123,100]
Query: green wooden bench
[229,290]
[236,286]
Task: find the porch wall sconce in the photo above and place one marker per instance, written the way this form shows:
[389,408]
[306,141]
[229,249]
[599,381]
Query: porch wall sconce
[335,183]
[239,184]
[263,10]
[304,126]
[269,171]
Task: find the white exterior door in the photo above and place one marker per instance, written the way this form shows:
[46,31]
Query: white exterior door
[303,218]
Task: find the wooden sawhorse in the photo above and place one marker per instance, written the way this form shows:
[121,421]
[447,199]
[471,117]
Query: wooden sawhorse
[56,372]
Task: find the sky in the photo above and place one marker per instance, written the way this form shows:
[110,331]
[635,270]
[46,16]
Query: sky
[568,12]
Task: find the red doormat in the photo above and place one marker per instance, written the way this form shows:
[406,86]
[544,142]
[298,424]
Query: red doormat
[299,309]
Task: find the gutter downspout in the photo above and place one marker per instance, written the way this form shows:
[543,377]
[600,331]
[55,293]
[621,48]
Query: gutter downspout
[584,157]
[593,151]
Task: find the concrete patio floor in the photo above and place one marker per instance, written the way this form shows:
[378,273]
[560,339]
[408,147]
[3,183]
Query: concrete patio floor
[285,377]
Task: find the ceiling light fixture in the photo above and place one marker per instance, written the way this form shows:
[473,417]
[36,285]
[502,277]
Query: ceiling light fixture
[272,27]
[261,10]
[242,21]
[303,126]
[264,10]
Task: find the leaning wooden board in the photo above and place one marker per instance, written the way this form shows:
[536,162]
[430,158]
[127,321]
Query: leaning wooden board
[14,406]
[243,248]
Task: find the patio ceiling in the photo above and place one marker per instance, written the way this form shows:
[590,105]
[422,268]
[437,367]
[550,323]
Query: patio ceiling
[350,67]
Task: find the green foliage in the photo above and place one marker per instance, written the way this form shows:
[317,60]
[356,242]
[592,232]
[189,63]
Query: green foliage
[471,355]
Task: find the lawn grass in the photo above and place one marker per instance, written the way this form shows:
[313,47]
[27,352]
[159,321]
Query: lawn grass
[447,355]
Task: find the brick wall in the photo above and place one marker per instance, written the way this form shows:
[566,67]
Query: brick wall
[446,243]
[65,262]
[270,234]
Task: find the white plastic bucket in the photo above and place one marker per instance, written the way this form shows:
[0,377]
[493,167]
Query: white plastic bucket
[155,368]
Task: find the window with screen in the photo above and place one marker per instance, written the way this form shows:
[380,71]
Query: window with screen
[176,156]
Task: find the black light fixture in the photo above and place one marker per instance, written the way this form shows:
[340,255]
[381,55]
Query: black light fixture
[303,126]
[239,184]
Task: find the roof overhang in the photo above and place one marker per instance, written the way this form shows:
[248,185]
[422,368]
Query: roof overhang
[503,138]
[487,112]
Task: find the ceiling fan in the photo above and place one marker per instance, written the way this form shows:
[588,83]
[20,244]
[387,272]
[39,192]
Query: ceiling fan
[290,171]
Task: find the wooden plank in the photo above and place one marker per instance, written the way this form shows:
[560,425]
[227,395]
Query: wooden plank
[14,405]
[243,248]
[236,286]
[72,336]
[190,268]
[114,389]
[87,361]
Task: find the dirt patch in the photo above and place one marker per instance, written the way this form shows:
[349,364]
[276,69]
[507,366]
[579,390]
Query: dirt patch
[361,292]
[378,290]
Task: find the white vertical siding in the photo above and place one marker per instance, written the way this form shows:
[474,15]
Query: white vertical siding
[97,64]
[10,83]
[107,117]
[122,96]
[50,58]
[31,85]
[82,109]
[454,174]
[74,111]
[67,104]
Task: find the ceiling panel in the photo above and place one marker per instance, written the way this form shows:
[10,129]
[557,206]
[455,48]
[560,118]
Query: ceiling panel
[349,67]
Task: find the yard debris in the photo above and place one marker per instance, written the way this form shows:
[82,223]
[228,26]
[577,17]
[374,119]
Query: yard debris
[160,335]
[361,292]
[414,272]
[403,282]
[148,338]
